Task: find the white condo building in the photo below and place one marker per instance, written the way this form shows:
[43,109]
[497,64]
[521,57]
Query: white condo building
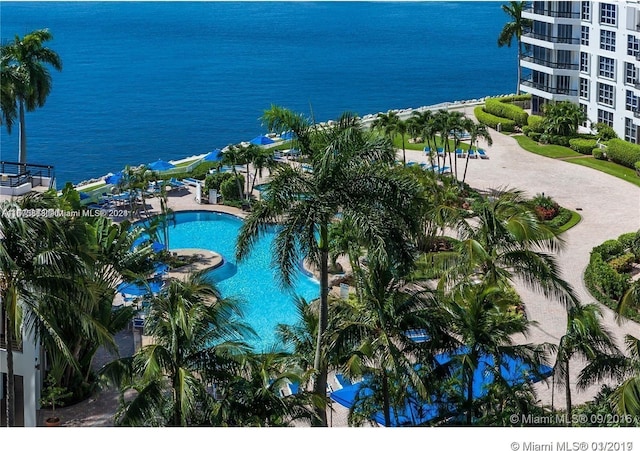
[586,53]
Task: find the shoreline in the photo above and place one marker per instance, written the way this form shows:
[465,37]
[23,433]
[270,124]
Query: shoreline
[404,113]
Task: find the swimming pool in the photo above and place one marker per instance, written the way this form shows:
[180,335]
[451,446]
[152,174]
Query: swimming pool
[254,281]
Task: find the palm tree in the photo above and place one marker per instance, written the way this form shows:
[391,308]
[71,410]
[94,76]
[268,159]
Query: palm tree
[563,118]
[584,337]
[476,131]
[232,156]
[197,336]
[32,84]
[351,174]
[391,125]
[35,260]
[504,239]
[514,29]
[486,331]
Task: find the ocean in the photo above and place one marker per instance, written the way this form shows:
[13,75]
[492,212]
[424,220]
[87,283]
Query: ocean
[149,80]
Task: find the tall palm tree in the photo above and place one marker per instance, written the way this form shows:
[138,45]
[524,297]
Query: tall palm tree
[486,331]
[232,156]
[197,335]
[29,58]
[515,28]
[586,337]
[351,174]
[476,131]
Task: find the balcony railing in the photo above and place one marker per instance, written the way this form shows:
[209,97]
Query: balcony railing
[549,89]
[554,39]
[552,13]
[550,64]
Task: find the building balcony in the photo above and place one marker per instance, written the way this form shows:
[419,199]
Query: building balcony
[552,39]
[549,89]
[550,64]
[532,9]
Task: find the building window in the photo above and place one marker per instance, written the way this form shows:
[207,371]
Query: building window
[583,108]
[584,35]
[584,62]
[633,46]
[629,73]
[584,88]
[565,33]
[608,40]
[608,13]
[586,11]
[606,94]
[606,117]
[631,101]
[630,131]
[607,67]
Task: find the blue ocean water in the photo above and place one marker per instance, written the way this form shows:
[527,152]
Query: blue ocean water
[149,80]
[254,282]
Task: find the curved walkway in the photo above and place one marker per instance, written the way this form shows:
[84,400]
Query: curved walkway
[609,207]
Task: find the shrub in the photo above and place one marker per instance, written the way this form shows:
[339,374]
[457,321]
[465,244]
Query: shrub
[582,145]
[545,207]
[536,123]
[559,140]
[229,188]
[598,154]
[626,240]
[601,276]
[622,152]
[637,166]
[562,217]
[499,108]
[492,121]
[609,249]
[535,136]
[215,180]
[622,263]
[605,132]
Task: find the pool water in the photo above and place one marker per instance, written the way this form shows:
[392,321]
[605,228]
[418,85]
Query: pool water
[254,281]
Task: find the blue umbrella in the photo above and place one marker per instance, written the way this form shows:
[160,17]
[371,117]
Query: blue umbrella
[160,165]
[288,135]
[139,288]
[114,179]
[157,246]
[214,155]
[262,140]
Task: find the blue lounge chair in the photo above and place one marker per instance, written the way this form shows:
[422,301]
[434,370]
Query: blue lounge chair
[191,181]
[473,153]
[294,387]
[440,152]
[411,163]
[427,150]
[483,154]
[460,153]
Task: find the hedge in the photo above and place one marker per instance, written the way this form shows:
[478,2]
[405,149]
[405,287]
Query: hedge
[499,108]
[624,153]
[598,154]
[535,122]
[507,125]
[602,277]
[582,145]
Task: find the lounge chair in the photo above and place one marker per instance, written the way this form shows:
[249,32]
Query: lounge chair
[294,387]
[427,150]
[411,163]
[483,154]
[440,152]
[138,323]
[473,153]
[191,181]
[444,170]
[460,153]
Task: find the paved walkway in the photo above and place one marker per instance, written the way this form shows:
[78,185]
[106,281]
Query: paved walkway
[609,207]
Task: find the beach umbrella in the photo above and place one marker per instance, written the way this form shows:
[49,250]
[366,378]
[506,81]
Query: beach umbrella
[114,179]
[139,288]
[160,165]
[157,246]
[262,140]
[214,155]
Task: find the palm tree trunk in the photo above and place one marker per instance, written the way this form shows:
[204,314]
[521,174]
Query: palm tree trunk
[385,399]
[8,336]
[319,364]
[248,184]
[22,136]
[567,389]
[470,398]
[404,154]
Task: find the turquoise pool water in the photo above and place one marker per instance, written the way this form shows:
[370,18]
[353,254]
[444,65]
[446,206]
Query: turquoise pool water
[254,281]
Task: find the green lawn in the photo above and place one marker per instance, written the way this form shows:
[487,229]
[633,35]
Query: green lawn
[553,151]
[575,219]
